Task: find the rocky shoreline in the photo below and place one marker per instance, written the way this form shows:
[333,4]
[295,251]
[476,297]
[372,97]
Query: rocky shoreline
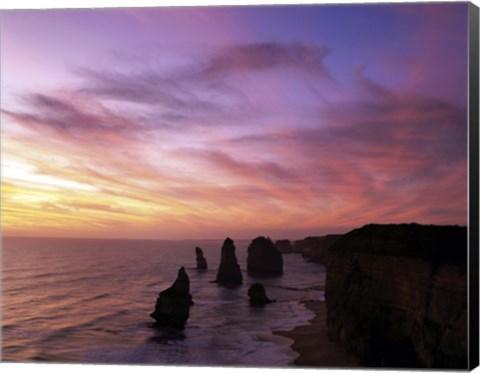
[395,298]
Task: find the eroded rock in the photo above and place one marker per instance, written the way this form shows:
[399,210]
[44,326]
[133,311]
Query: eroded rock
[396,295]
[264,258]
[173,304]
[229,272]
[201,261]
[258,295]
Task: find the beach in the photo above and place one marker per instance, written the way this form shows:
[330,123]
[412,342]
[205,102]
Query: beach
[312,345]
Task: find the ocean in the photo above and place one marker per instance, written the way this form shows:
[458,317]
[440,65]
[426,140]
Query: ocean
[89,300]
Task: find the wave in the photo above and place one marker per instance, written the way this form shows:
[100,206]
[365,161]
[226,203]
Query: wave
[29,286]
[39,319]
[96,297]
[156,283]
[91,324]
[99,311]
[212,302]
[17,275]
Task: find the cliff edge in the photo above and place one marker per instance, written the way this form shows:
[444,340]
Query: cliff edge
[315,249]
[396,295]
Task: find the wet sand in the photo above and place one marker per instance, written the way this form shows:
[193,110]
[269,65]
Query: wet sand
[312,344]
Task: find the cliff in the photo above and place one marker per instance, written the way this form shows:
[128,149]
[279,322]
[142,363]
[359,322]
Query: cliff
[315,248]
[396,295]
[284,246]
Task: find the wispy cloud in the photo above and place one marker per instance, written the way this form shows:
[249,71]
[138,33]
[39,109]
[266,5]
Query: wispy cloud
[302,58]
[204,91]
[72,114]
[235,139]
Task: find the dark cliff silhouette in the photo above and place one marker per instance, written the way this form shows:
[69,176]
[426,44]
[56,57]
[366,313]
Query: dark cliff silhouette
[396,295]
[284,246]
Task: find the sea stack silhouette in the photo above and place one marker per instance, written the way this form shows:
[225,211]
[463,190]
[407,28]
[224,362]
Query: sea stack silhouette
[264,258]
[229,272]
[257,295]
[173,304]
[201,261]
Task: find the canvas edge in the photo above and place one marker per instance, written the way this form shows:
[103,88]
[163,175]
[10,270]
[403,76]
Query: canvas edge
[473,358]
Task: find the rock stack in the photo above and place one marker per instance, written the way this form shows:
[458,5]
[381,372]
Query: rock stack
[229,272]
[264,258]
[173,304]
[201,261]
[257,295]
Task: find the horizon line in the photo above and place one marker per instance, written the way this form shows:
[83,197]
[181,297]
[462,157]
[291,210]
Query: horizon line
[2,236]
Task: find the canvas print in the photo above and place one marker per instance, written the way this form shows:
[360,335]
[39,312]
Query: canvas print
[251,186]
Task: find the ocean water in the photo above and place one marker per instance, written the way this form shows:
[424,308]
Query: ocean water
[86,300]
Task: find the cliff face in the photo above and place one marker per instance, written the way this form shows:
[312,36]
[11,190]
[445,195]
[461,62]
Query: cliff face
[396,295]
[284,246]
[315,248]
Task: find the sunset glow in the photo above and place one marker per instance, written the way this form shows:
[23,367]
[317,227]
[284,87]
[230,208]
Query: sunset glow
[242,121]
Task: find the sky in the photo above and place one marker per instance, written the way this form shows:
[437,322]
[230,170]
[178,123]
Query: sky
[207,122]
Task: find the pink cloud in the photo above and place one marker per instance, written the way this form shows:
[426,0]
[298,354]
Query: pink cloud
[188,161]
